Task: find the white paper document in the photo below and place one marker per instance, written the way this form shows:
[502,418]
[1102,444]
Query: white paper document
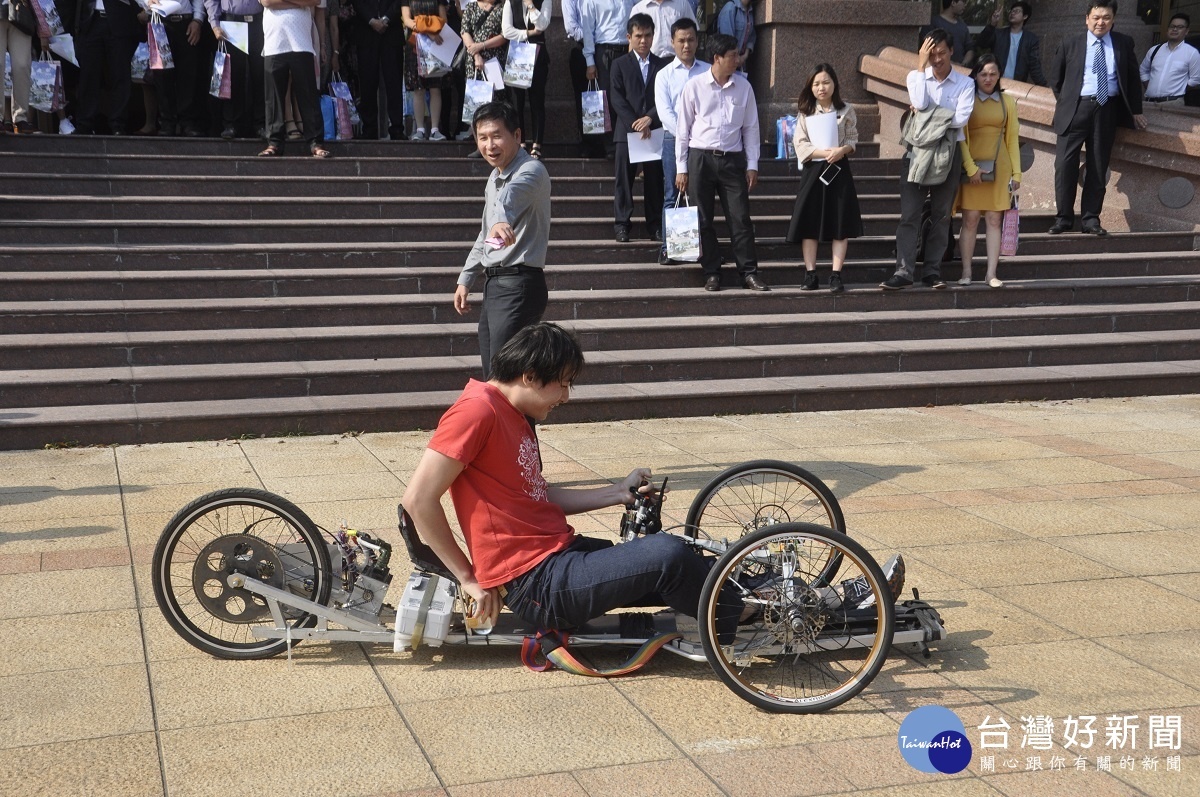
[642,150]
[238,34]
[822,130]
[445,51]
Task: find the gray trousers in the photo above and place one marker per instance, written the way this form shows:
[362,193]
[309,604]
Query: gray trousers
[912,202]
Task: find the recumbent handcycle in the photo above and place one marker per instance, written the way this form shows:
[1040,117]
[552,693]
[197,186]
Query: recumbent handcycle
[245,574]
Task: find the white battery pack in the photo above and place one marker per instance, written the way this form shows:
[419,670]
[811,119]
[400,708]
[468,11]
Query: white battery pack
[436,595]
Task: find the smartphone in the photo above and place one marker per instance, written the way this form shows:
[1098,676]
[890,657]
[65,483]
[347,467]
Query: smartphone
[831,171]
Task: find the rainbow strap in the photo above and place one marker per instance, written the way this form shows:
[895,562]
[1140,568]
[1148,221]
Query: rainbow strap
[548,649]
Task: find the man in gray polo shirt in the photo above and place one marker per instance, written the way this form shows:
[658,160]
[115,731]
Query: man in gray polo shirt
[510,250]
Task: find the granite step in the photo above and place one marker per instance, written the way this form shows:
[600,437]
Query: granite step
[34,427]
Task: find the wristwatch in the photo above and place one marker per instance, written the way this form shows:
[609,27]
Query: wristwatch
[385,20]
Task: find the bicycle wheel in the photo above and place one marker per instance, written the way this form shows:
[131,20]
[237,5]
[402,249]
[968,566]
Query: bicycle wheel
[252,532]
[808,647]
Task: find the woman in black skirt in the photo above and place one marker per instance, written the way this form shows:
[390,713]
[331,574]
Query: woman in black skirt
[826,202]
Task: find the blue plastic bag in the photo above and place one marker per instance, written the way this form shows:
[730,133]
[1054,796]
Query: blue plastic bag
[329,117]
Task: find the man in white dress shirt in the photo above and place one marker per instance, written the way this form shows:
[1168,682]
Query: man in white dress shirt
[1171,68]
[667,88]
[665,13]
[716,153]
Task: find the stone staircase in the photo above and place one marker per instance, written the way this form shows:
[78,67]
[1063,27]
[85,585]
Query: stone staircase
[169,290]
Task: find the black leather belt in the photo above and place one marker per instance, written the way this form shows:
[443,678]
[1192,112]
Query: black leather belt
[720,153]
[508,271]
[178,18]
[1164,99]
[239,17]
[621,46]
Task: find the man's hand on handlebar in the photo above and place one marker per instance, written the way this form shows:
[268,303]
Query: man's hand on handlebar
[637,481]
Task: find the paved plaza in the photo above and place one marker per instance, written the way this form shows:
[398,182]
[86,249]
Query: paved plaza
[1057,539]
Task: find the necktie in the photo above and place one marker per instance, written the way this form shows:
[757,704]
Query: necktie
[1100,70]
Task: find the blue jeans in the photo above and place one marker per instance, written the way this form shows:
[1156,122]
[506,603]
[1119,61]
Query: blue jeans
[670,193]
[592,577]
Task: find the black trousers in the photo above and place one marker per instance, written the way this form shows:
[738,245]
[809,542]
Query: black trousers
[577,66]
[652,189]
[245,110]
[910,230]
[510,303]
[380,54]
[176,88]
[301,69]
[712,175]
[104,52]
[536,94]
[1092,130]
[604,56]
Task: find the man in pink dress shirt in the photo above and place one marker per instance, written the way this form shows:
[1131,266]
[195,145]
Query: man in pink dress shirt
[717,147]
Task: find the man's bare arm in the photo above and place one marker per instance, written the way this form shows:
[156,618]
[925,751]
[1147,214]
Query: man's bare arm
[574,502]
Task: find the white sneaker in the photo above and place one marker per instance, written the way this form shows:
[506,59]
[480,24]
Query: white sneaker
[464,136]
[65,128]
[436,135]
[418,135]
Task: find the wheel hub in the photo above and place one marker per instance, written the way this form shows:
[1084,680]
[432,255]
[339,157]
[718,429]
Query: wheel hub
[251,556]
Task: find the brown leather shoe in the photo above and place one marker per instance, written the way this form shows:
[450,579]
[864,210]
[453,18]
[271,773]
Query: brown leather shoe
[755,283]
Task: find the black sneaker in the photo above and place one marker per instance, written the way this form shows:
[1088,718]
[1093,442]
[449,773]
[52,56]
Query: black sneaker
[835,283]
[857,594]
[895,283]
[931,281]
[811,281]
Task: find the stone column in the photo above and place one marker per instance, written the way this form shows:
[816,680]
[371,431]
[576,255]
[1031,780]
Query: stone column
[795,36]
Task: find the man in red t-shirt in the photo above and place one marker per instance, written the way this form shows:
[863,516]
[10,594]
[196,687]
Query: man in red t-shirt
[522,550]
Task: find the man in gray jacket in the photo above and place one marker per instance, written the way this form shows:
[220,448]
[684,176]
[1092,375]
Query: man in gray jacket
[933,82]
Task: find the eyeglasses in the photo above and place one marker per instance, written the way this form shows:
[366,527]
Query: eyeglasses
[1177,27]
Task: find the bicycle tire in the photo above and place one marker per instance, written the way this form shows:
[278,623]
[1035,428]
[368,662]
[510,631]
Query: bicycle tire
[808,650]
[248,530]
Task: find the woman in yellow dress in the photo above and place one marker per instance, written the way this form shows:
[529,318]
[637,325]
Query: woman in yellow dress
[991,147]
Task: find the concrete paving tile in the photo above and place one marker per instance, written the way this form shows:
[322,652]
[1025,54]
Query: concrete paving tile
[38,479]
[1003,562]
[988,449]
[233,472]
[1143,553]
[56,458]
[1189,459]
[559,783]
[977,619]
[1026,493]
[875,762]
[322,677]
[1117,489]
[1068,677]
[590,726]
[199,760]
[55,504]
[50,707]
[1113,607]
[65,592]
[1148,466]
[931,582]
[651,779]
[956,476]
[113,766]
[846,482]
[1184,583]
[69,642]
[703,716]
[1170,653]
[363,513]
[305,489]
[958,787]
[1056,470]
[1167,511]
[449,672]
[62,534]
[85,558]
[722,442]
[163,642]
[1046,519]
[340,458]
[907,529]
[828,433]
[20,563]
[1161,783]
[167,498]
[968,497]
[897,453]
[632,446]
[887,503]
[1066,781]
[793,771]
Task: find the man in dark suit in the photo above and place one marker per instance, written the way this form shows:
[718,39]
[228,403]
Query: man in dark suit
[105,40]
[1024,63]
[379,37]
[631,96]
[1095,77]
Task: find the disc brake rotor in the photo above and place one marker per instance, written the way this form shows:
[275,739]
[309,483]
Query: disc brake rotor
[235,553]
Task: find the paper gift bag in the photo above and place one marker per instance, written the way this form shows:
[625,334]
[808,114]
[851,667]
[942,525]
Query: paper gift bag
[341,91]
[518,71]
[429,65]
[160,48]
[45,84]
[1010,232]
[785,138]
[595,111]
[221,84]
[342,117]
[493,74]
[477,92]
[7,75]
[140,63]
[48,19]
[681,231]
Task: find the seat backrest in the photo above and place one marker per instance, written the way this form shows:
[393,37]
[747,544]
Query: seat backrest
[422,556]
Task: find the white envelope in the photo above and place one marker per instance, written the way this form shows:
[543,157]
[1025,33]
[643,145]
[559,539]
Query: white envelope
[445,51]
[238,34]
[822,130]
[642,150]
[493,73]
